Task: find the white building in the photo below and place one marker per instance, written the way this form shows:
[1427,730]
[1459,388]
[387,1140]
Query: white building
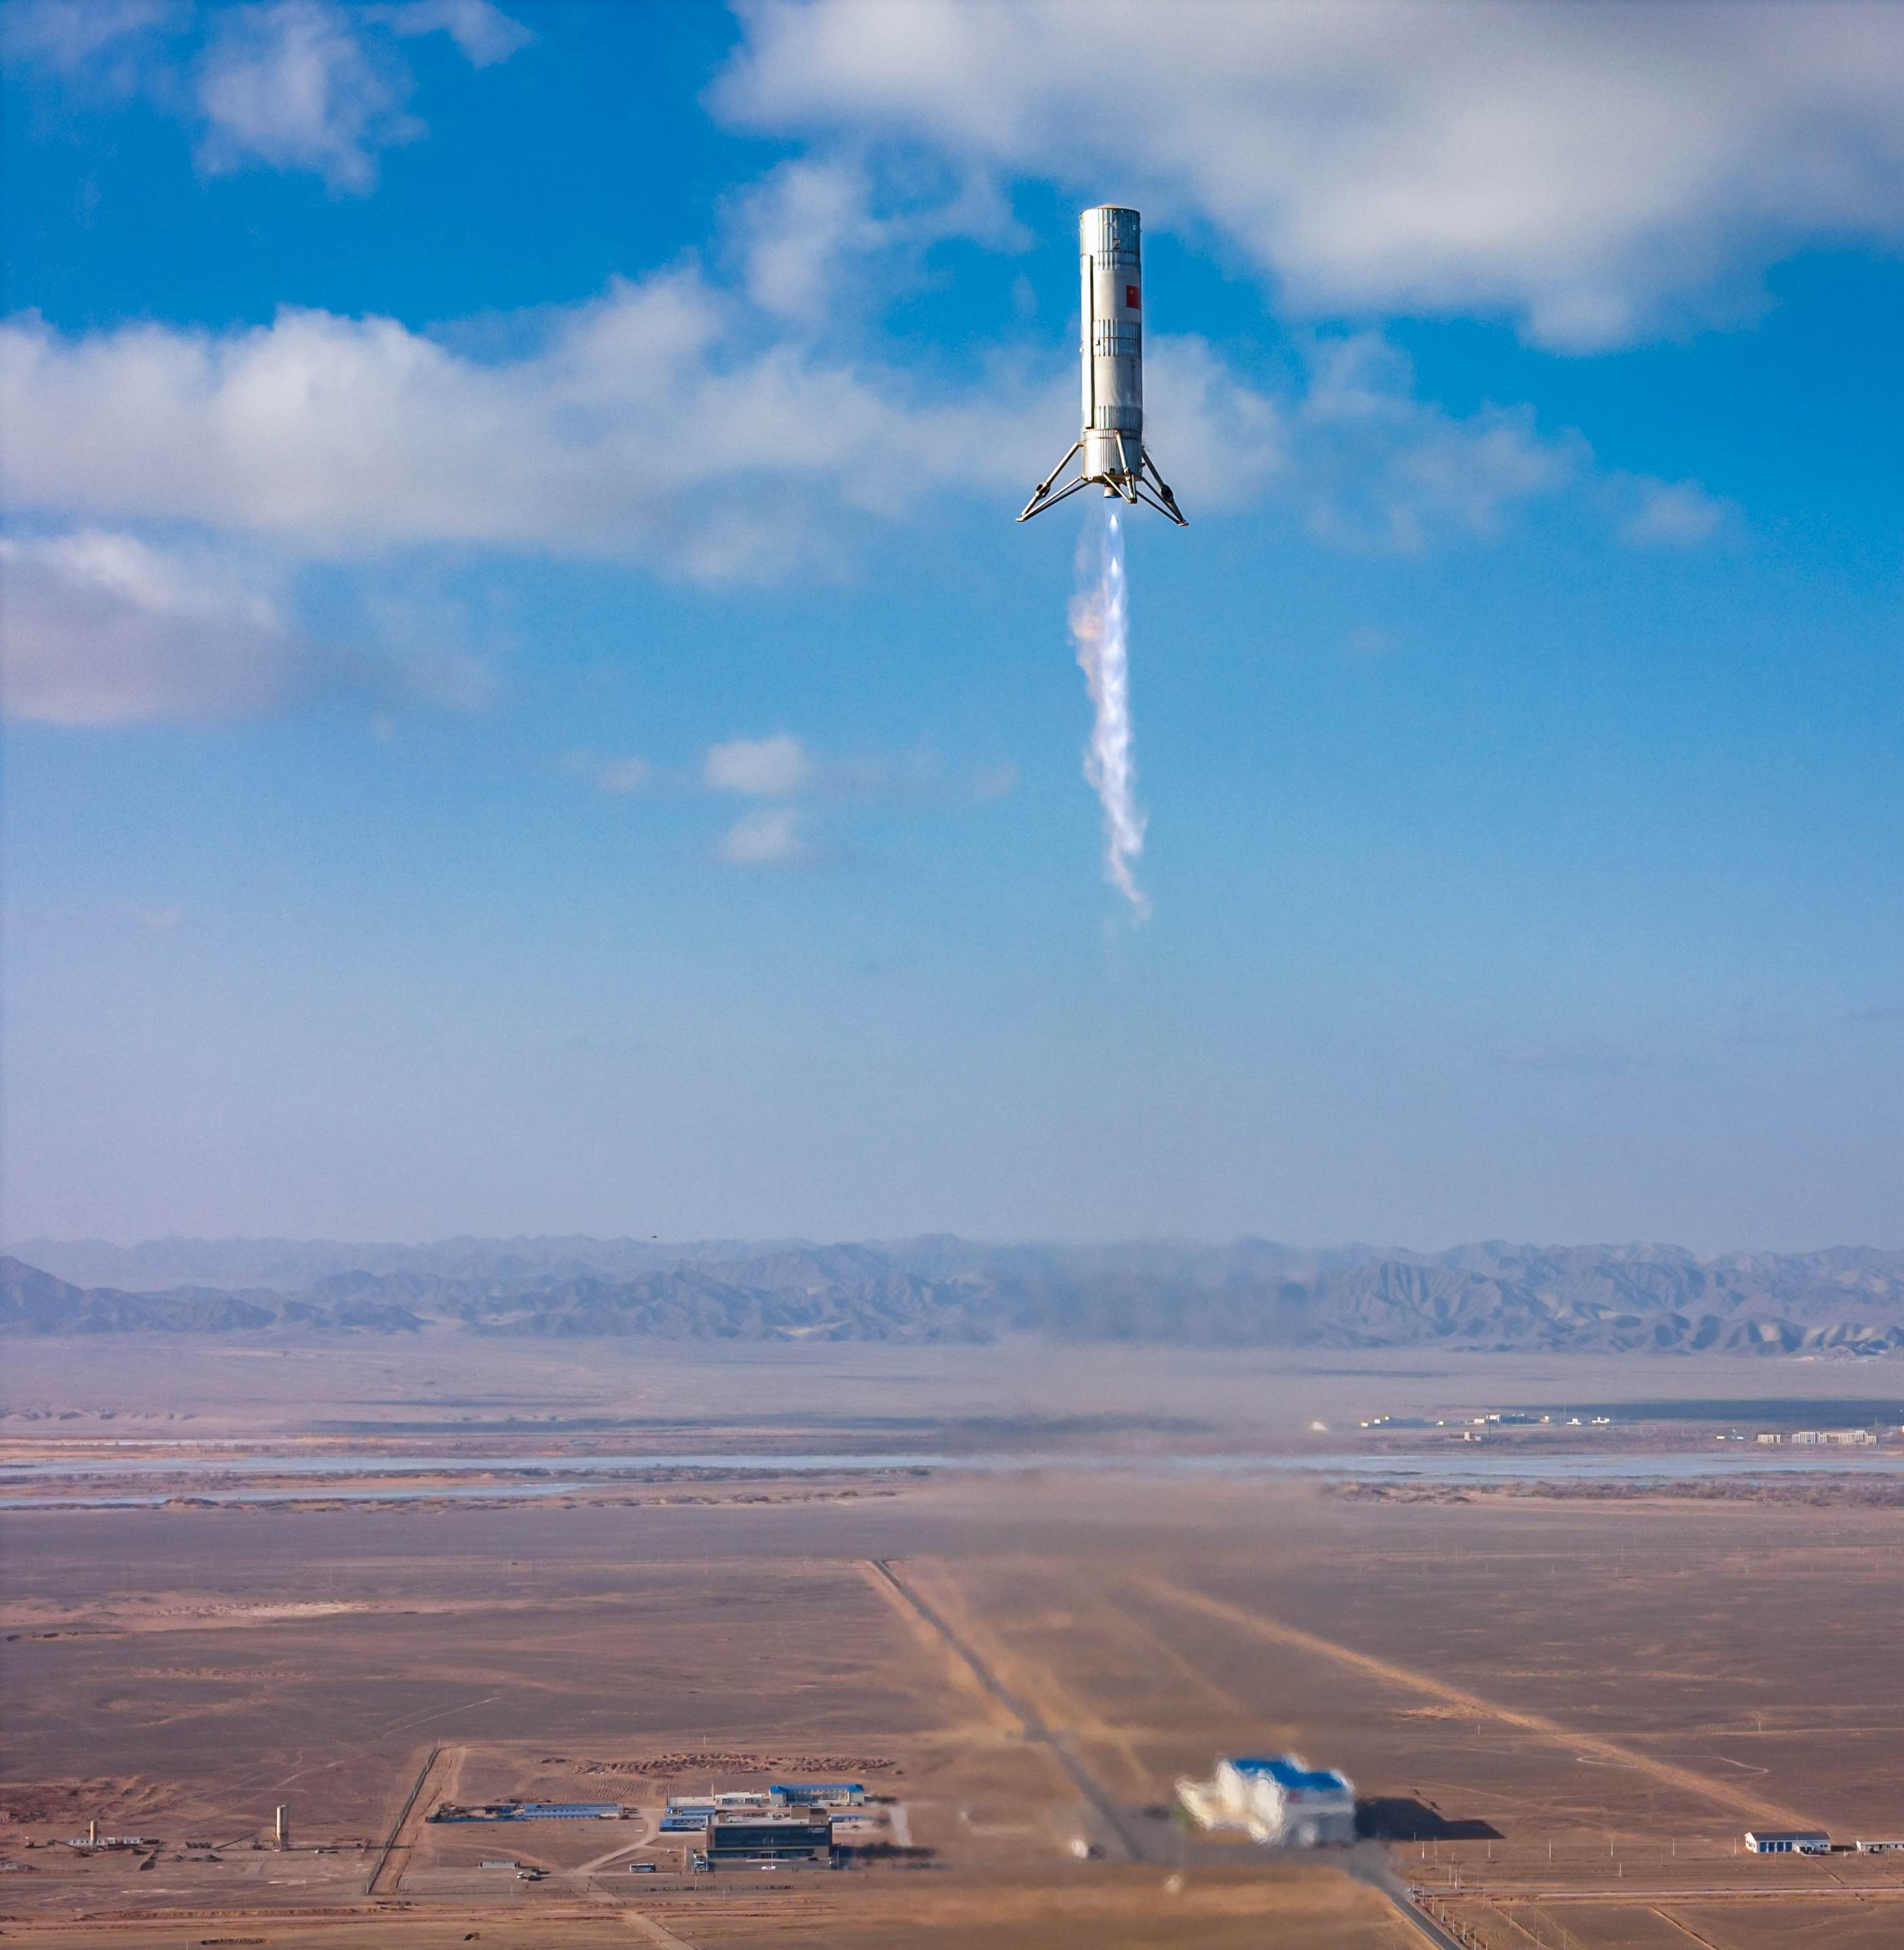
[1280,1799]
[1787,1841]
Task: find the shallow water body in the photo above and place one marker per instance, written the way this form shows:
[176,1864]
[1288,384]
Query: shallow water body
[531,1476]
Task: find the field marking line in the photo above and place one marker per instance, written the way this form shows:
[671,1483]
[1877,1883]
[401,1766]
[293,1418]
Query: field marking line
[1106,1614]
[1520,1929]
[1160,1648]
[1035,1685]
[397,1727]
[1684,1928]
[424,1719]
[998,1713]
[657,1933]
[1275,1632]
[1032,1726]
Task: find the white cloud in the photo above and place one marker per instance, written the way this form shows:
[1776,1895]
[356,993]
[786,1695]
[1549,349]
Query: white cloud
[807,791]
[1597,170]
[1373,466]
[1672,514]
[294,84]
[774,767]
[660,423]
[655,423]
[484,33]
[104,629]
[1207,426]
[794,229]
[770,836]
[808,232]
[104,41]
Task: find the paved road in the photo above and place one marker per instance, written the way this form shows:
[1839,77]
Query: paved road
[657,1933]
[1063,1749]
[1368,1863]
[389,1870]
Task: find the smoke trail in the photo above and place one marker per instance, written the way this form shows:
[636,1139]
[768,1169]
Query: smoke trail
[1100,628]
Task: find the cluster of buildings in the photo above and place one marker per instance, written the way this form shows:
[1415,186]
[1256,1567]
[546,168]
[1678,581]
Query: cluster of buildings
[788,1822]
[1477,1428]
[1280,1799]
[1472,1428]
[1814,1438]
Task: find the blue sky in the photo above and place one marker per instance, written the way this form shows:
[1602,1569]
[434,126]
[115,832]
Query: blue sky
[528,712]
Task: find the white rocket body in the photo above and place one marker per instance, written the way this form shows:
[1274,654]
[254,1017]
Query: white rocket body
[1109,449]
[1111,259]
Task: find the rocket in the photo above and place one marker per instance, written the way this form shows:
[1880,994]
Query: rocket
[1109,451]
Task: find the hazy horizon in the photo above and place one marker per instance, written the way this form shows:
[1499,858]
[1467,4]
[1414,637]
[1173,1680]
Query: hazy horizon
[820,1241]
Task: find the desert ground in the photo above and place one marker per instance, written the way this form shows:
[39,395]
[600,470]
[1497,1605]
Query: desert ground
[1561,1715]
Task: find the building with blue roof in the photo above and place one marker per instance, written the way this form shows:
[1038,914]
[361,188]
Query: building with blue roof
[817,1794]
[1276,1798]
[532,1811]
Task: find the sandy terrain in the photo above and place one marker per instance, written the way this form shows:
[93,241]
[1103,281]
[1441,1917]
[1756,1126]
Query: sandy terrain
[114,1388]
[1562,1715]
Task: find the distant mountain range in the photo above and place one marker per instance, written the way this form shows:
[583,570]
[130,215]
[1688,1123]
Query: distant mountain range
[939,1288]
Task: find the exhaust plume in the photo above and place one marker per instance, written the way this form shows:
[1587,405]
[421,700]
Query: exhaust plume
[1100,628]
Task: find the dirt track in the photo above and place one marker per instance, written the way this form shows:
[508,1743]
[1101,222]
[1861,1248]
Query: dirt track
[397,1850]
[1062,1749]
[1275,1632]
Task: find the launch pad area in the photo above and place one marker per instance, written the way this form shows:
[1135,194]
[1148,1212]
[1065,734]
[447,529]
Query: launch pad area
[1560,1715]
